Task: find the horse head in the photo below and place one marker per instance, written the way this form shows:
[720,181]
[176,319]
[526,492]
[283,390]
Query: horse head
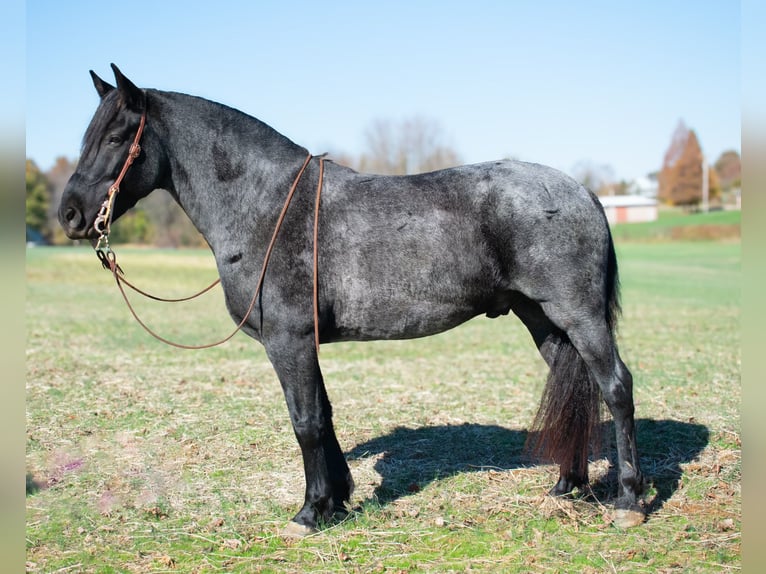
[105,149]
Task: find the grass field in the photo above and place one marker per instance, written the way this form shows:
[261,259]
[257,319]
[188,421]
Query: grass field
[676,224]
[144,458]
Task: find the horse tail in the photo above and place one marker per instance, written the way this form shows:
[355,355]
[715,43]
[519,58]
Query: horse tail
[568,421]
[613,307]
[569,414]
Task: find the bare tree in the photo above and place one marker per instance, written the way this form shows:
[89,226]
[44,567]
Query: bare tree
[414,145]
[599,178]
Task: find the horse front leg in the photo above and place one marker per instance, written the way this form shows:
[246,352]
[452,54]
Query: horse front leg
[328,480]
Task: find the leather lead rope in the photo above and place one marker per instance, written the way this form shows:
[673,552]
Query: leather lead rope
[316,254]
[109,260]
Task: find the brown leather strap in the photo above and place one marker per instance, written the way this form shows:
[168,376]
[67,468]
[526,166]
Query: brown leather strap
[133,153]
[104,216]
[166,300]
[110,259]
[316,254]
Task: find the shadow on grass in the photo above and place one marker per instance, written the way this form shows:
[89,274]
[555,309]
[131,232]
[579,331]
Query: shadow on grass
[663,446]
[413,458]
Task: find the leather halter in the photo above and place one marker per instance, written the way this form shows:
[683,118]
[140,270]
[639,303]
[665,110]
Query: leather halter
[103,221]
[108,257]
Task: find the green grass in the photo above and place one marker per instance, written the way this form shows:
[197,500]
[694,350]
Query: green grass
[144,458]
[676,224]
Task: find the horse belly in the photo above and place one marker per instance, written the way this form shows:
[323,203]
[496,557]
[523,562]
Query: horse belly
[394,318]
[409,296]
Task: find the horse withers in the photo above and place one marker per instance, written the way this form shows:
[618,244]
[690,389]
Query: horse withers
[398,257]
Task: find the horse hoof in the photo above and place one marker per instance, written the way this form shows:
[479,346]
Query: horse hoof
[294,530]
[627,518]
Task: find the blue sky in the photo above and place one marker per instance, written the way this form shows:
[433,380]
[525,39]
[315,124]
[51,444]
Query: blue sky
[545,81]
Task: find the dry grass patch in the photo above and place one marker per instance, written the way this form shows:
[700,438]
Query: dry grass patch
[143,458]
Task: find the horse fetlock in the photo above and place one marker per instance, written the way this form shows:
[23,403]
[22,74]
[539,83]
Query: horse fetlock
[343,488]
[567,482]
[631,485]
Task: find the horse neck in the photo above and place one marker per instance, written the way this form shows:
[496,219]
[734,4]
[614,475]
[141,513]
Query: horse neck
[225,167]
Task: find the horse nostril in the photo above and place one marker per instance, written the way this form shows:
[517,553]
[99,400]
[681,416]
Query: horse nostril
[74,217]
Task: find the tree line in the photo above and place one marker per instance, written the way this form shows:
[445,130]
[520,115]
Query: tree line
[412,145]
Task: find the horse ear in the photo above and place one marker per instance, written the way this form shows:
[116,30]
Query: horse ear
[134,97]
[102,87]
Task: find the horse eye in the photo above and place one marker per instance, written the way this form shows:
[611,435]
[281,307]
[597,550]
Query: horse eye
[114,139]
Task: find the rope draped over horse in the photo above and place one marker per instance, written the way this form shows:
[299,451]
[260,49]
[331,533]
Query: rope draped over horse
[383,257]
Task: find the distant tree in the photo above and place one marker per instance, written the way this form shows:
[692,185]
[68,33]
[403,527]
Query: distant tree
[58,176]
[597,177]
[677,145]
[728,166]
[343,158]
[621,187]
[133,227]
[680,180]
[38,199]
[169,224]
[157,220]
[415,145]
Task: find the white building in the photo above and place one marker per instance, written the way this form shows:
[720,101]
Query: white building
[629,208]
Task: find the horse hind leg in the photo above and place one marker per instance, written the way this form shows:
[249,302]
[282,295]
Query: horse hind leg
[584,367]
[593,342]
[568,418]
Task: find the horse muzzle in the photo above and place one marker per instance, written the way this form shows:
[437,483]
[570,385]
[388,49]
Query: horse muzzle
[74,221]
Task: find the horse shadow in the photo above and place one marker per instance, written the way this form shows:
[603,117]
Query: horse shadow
[412,458]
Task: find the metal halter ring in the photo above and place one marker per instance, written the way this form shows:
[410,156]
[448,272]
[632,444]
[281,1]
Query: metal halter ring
[100,224]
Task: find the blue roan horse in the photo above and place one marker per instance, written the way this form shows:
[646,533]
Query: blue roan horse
[398,257]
